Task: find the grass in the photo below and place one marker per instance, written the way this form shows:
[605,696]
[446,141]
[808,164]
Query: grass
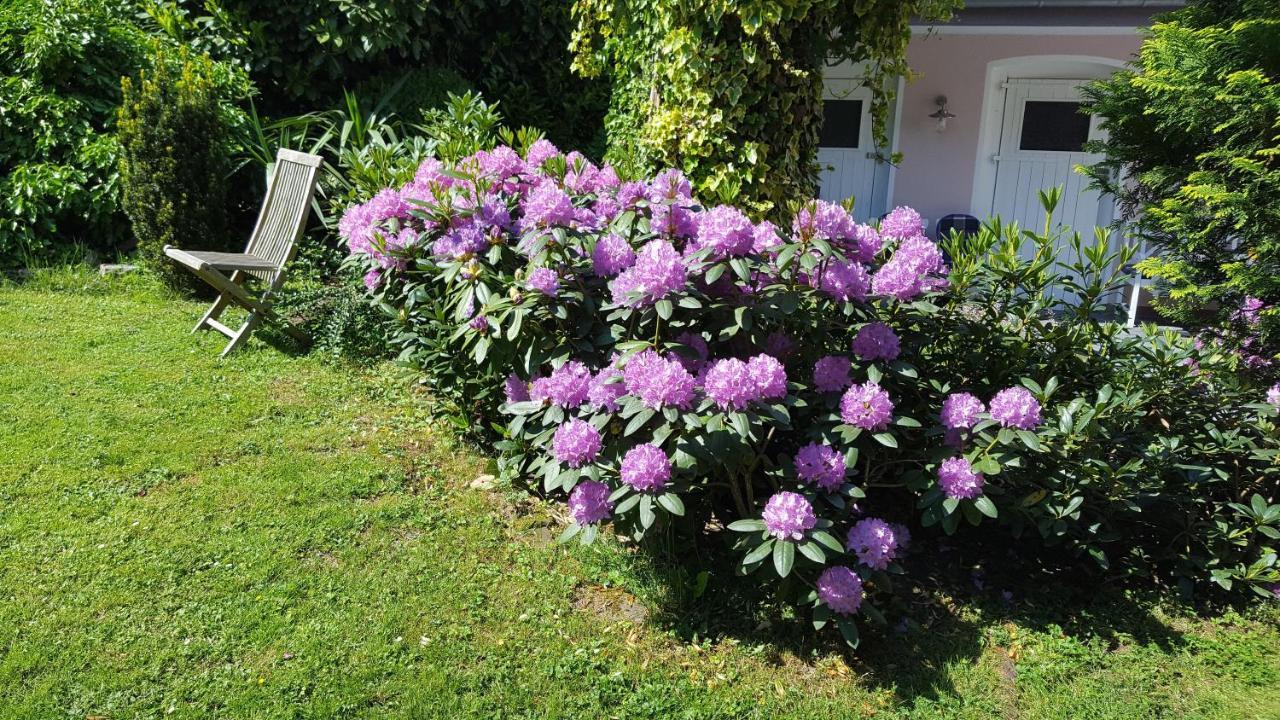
[277,537]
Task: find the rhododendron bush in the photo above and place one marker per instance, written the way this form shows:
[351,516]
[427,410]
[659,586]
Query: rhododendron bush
[816,393]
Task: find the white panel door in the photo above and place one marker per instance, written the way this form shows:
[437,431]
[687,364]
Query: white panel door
[1041,142]
[849,165]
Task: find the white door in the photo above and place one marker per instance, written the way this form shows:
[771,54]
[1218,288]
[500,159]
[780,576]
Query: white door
[1041,142]
[849,164]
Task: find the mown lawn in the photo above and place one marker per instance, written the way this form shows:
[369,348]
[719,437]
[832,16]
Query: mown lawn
[273,536]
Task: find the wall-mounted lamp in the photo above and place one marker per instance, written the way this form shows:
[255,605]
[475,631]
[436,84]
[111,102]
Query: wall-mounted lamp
[942,114]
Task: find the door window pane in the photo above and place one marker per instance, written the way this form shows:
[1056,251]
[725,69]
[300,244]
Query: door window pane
[1053,125]
[841,123]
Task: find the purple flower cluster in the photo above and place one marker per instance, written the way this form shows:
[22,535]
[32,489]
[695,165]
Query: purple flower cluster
[733,384]
[960,411]
[657,381]
[958,480]
[606,387]
[576,443]
[843,280]
[659,270]
[824,221]
[902,223]
[874,542]
[726,230]
[566,386]
[820,465]
[866,406]
[788,516]
[545,281]
[908,272]
[516,389]
[589,502]
[840,589]
[646,468]
[612,255]
[831,373]
[1016,407]
[1273,395]
[876,341]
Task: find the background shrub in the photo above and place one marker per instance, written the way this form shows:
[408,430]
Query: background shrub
[1191,156]
[175,161]
[731,93]
[60,68]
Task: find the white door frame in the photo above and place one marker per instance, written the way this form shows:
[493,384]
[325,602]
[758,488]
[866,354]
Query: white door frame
[991,121]
[845,70]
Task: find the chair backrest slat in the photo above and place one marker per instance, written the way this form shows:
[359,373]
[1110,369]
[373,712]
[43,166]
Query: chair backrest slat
[284,211]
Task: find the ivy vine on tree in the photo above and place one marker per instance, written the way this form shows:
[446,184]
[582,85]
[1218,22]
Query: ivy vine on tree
[730,91]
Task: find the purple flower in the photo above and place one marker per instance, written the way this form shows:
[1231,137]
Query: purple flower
[728,383]
[726,229]
[479,323]
[589,502]
[842,280]
[961,410]
[658,381]
[539,152]
[659,271]
[568,385]
[516,389]
[646,468]
[576,443]
[831,373]
[546,206]
[764,237]
[874,542]
[876,341]
[631,193]
[768,377]
[866,406]
[1016,407]
[840,589]
[1273,395]
[606,388]
[779,344]
[545,281]
[823,220]
[820,465]
[868,242]
[958,480]
[788,515]
[670,186]
[373,279]
[902,223]
[672,220]
[612,255]
[906,275]
[1250,311]
[695,360]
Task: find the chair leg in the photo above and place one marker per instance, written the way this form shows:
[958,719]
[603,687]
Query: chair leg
[213,313]
[242,334]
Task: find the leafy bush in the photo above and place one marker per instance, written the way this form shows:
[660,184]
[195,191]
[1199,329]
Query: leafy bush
[175,161]
[304,54]
[822,393]
[60,68]
[1191,155]
[731,93]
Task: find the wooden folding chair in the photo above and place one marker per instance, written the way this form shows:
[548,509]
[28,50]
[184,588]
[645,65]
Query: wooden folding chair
[280,222]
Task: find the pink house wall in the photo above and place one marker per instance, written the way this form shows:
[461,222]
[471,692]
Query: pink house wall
[937,171]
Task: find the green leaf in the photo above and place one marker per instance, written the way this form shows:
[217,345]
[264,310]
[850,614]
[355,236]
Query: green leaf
[825,538]
[671,503]
[664,309]
[638,421]
[569,532]
[985,506]
[886,439]
[759,552]
[647,517]
[814,552]
[784,557]
[746,525]
[849,630]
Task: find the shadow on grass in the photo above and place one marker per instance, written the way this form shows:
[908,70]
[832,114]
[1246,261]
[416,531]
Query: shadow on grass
[950,607]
